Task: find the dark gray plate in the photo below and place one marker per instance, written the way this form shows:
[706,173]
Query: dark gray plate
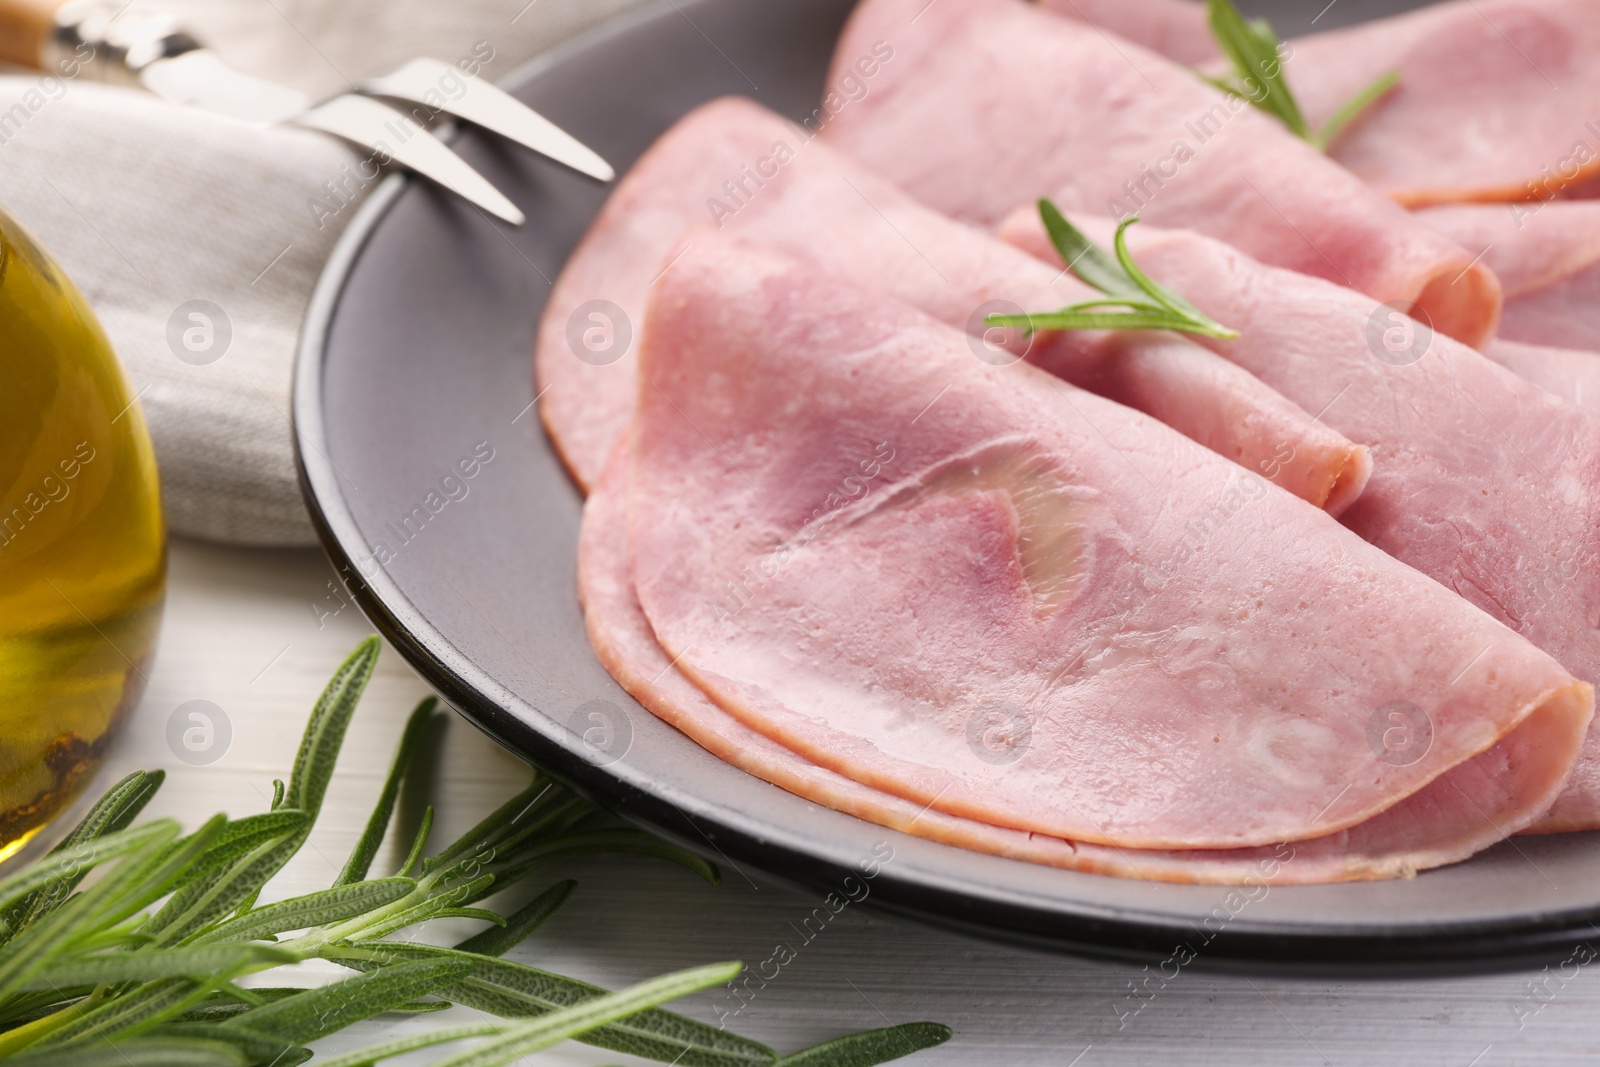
[418,350]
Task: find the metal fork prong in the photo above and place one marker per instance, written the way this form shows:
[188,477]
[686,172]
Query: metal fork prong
[377,126]
[440,86]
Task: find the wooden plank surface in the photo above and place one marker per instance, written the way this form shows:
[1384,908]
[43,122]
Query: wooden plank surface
[243,631]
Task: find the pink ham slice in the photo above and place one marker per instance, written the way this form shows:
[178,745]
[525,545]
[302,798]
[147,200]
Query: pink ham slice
[1496,102]
[1573,376]
[1547,257]
[1481,480]
[1457,814]
[988,104]
[1452,818]
[1494,105]
[868,546]
[1176,29]
[809,202]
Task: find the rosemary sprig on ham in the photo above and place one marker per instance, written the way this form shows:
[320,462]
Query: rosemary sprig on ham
[1253,50]
[1145,303]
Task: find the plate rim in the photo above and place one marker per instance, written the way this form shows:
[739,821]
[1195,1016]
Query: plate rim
[1248,945]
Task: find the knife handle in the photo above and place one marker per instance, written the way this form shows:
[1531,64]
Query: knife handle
[97,36]
[26,26]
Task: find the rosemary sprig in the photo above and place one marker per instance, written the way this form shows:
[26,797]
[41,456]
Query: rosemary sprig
[1254,50]
[146,957]
[1147,304]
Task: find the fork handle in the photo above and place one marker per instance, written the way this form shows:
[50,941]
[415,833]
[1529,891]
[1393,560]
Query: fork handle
[26,27]
[94,36]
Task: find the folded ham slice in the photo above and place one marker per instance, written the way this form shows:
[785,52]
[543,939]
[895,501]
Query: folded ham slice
[1571,375]
[808,201]
[1481,480]
[1457,814]
[983,590]
[989,104]
[1495,102]
[1547,257]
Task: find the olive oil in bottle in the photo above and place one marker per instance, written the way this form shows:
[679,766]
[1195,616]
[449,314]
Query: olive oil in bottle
[82,545]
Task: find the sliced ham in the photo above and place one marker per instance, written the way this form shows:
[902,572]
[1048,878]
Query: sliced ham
[1176,29]
[983,590]
[1547,257]
[1481,480]
[1495,102]
[989,104]
[1459,813]
[810,202]
[1573,376]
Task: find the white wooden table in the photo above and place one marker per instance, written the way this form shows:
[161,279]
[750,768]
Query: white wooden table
[241,632]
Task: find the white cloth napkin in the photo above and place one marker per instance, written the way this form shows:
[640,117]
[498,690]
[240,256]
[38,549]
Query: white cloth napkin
[149,207]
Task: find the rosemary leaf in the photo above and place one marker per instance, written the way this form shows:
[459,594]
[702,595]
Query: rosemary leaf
[1252,49]
[313,768]
[360,861]
[28,1007]
[419,842]
[116,967]
[1146,304]
[373,1053]
[133,1013]
[35,948]
[420,1007]
[501,987]
[256,1047]
[438,907]
[139,1052]
[521,1039]
[870,1047]
[319,747]
[1353,108]
[112,812]
[321,908]
[497,824]
[1085,259]
[153,876]
[247,854]
[229,1001]
[1070,318]
[585,842]
[497,941]
[1256,56]
[318,1012]
[555,810]
[132,883]
[74,861]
